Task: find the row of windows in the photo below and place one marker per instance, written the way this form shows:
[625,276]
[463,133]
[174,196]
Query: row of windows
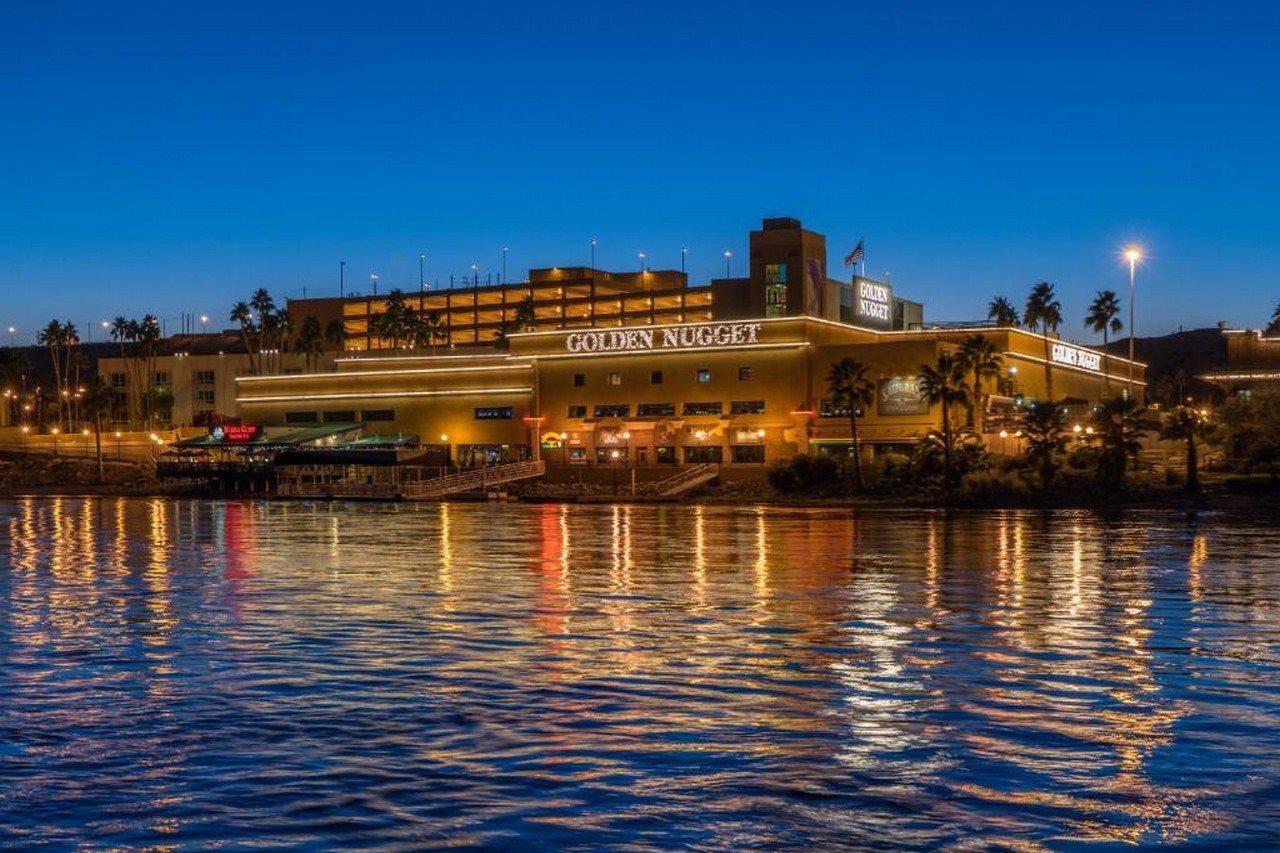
[666,455]
[164,378]
[702,374]
[661,410]
[343,416]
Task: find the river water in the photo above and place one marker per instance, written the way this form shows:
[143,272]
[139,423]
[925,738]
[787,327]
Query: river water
[186,672]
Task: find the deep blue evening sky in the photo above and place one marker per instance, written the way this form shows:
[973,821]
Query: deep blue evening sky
[166,159]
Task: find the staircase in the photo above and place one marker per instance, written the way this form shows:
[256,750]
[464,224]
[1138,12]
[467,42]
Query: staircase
[683,481]
[468,481]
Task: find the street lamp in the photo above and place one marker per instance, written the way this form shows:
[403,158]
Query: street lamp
[373,280]
[504,264]
[641,256]
[1132,254]
[422,271]
[593,253]
[684,250]
[204,320]
[727,257]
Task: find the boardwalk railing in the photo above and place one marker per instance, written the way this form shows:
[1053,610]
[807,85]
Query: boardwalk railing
[689,478]
[472,480]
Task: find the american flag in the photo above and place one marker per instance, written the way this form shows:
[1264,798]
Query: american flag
[854,256]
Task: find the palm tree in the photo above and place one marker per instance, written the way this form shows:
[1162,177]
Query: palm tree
[981,359]
[1273,328]
[1044,309]
[1187,423]
[241,313]
[851,390]
[96,403]
[1001,310]
[944,383]
[335,335]
[1118,428]
[310,341]
[1104,317]
[1045,438]
[527,315]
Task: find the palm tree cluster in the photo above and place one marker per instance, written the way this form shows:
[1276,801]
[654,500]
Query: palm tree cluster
[264,330]
[399,326]
[139,342]
[63,341]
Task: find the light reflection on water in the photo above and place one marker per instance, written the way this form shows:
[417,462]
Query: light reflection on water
[181,672]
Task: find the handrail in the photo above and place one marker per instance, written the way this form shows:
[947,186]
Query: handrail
[690,476]
[465,481]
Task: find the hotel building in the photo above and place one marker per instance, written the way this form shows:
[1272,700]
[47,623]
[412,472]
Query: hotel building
[1252,366]
[738,380]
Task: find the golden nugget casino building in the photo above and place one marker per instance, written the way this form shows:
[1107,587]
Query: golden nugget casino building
[742,384]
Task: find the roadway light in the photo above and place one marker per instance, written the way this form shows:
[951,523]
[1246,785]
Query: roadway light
[1132,254]
[728,256]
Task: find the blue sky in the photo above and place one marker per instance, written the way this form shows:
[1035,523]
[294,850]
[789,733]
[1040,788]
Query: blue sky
[169,158]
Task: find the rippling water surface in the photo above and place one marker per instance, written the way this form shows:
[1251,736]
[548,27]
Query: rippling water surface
[187,672]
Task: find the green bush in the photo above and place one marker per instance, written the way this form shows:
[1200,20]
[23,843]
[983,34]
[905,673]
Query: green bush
[1084,458]
[807,475]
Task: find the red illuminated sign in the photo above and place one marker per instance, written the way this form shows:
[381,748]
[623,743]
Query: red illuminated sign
[237,433]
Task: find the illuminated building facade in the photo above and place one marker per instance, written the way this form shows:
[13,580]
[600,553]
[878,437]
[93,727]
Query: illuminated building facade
[1252,365]
[788,278]
[737,392]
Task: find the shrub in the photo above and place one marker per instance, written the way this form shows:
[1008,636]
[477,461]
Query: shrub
[807,475]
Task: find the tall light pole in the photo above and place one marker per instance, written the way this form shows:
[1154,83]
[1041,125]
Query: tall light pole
[342,279]
[728,256]
[504,264]
[684,250]
[12,331]
[593,253]
[204,321]
[373,279]
[422,271]
[641,256]
[1132,254]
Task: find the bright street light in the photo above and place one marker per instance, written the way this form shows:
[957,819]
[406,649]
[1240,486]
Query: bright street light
[1132,254]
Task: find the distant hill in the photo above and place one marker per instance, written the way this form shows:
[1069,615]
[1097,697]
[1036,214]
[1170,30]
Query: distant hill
[1193,352]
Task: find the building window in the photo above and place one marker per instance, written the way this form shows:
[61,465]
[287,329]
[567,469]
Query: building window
[700,454]
[664,455]
[655,377]
[829,409]
[340,417]
[613,411]
[493,413]
[378,415]
[656,410]
[775,290]
[301,417]
[704,374]
[614,378]
[577,411]
[163,379]
[204,377]
[747,407]
[204,397]
[703,408]
[744,374]
[747,453]
[118,380]
[579,380]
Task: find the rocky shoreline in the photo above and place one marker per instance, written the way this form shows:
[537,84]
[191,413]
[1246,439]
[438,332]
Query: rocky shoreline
[27,475]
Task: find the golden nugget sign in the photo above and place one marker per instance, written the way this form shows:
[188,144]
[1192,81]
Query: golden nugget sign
[704,336]
[1076,357]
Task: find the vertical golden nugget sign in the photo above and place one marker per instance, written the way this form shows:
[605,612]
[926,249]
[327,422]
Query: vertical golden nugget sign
[704,336]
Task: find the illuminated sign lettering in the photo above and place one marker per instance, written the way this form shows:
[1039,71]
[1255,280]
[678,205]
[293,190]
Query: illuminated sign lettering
[236,433]
[706,336]
[874,303]
[1076,357]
